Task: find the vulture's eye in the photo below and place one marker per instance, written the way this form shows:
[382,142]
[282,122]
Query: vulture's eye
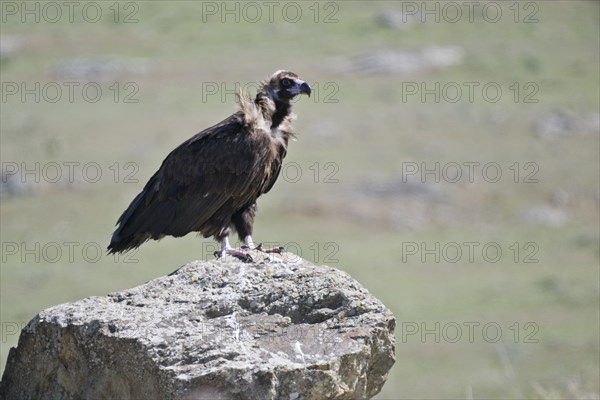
[285,82]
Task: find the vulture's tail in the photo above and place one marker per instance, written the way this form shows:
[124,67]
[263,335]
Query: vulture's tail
[126,236]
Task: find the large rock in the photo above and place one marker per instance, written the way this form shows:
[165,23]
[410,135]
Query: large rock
[211,330]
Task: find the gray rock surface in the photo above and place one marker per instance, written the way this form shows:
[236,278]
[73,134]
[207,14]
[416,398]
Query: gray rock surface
[281,328]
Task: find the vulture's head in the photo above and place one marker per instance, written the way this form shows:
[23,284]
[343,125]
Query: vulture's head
[285,85]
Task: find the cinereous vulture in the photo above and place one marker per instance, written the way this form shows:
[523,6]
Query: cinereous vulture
[210,183]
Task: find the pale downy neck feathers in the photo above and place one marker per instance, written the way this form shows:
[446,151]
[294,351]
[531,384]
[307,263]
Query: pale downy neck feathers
[267,114]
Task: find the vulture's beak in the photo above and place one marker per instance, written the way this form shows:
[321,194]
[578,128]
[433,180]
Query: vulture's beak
[304,88]
[300,87]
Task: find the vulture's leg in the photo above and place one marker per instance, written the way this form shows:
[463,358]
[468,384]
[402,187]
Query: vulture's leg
[227,249]
[248,242]
[243,221]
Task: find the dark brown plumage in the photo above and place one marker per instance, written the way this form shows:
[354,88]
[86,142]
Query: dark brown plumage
[210,183]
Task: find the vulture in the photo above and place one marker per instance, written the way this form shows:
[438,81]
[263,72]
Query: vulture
[210,183]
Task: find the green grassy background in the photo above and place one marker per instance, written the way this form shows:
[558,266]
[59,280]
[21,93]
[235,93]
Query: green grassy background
[368,133]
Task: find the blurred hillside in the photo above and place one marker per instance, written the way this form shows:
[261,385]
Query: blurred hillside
[448,160]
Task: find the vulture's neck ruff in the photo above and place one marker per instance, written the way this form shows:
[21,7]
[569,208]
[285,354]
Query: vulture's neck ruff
[273,108]
[266,113]
[283,109]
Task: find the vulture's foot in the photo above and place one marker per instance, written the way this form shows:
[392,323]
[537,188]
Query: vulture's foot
[276,250]
[249,245]
[242,256]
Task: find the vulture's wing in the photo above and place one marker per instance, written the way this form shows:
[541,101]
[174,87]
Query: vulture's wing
[205,179]
[275,170]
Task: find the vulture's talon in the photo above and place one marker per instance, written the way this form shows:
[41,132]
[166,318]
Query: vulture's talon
[240,255]
[276,250]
